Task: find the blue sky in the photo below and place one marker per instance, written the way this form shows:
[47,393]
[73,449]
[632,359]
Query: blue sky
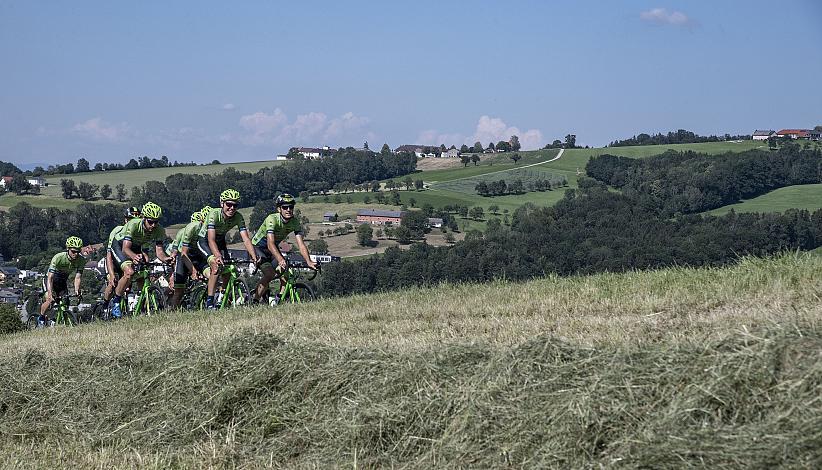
[247,80]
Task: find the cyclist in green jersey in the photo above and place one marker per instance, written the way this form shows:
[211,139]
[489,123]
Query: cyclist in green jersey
[188,263]
[276,228]
[112,269]
[127,248]
[62,264]
[212,243]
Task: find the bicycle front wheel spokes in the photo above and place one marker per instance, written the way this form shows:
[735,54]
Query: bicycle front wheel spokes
[238,295]
[299,293]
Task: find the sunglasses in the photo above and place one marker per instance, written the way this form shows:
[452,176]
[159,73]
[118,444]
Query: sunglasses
[288,208]
[230,205]
[151,221]
[76,252]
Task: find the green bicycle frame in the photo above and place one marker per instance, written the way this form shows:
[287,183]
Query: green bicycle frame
[228,288]
[62,316]
[145,299]
[289,291]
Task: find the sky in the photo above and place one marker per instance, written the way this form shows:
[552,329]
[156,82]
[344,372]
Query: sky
[239,81]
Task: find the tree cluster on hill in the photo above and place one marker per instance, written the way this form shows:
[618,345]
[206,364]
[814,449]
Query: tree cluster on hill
[502,188]
[570,143]
[181,194]
[36,234]
[9,169]
[591,230]
[689,182]
[83,166]
[681,136]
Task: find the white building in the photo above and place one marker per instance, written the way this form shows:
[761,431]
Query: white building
[762,135]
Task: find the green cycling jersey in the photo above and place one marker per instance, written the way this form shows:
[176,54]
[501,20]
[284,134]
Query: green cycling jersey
[135,232]
[187,236]
[63,265]
[222,224]
[112,234]
[276,225]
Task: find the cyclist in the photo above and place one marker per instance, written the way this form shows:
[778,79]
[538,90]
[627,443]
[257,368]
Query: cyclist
[276,228]
[189,262]
[112,269]
[212,243]
[62,264]
[127,248]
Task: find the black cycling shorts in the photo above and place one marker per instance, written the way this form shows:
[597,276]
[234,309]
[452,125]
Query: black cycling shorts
[120,258]
[181,271]
[205,250]
[59,284]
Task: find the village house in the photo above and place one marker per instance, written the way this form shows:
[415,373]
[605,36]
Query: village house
[36,181]
[5,181]
[9,274]
[434,222]
[379,217]
[313,153]
[330,217]
[814,134]
[762,135]
[793,133]
[451,153]
[9,296]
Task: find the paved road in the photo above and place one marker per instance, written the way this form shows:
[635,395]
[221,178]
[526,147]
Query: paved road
[561,151]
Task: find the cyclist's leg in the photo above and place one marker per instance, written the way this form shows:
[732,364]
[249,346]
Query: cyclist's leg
[125,265]
[268,271]
[213,268]
[181,275]
[46,299]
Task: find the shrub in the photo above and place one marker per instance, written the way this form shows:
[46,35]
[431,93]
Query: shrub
[10,319]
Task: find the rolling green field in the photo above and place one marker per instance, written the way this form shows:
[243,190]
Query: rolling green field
[8,200]
[132,178]
[673,368]
[808,196]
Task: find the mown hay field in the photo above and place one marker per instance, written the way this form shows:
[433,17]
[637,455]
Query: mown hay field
[672,368]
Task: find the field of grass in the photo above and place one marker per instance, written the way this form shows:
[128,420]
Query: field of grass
[808,196]
[132,178]
[8,200]
[673,368]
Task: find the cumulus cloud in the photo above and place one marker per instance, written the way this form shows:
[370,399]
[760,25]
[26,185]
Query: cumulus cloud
[495,129]
[314,128]
[101,131]
[664,17]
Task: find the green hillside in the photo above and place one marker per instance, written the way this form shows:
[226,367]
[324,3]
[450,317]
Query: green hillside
[672,368]
[807,196]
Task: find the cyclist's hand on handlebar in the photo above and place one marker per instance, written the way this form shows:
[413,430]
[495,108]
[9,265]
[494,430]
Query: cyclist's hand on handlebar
[312,265]
[282,264]
[137,258]
[218,258]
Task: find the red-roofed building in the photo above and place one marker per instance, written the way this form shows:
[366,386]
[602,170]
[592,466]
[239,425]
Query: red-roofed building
[793,133]
[5,181]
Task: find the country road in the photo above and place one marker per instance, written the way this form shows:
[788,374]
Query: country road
[434,183]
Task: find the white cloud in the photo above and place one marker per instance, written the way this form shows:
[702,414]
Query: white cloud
[99,130]
[228,107]
[495,129]
[663,17]
[434,137]
[314,128]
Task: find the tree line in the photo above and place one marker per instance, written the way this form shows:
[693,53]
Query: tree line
[590,230]
[690,182]
[502,188]
[182,194]
[681,136]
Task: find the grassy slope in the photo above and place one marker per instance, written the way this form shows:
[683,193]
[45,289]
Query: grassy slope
[571,161]
[807,196]
[677,367]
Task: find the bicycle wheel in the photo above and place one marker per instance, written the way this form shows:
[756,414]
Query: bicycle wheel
[299,293]
[238,296]
[32,322]
[155,301]
[197,297]
[100,311]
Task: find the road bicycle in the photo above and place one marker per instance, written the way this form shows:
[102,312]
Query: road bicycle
[149,300]
[233,292]
[294,291]
[58,313]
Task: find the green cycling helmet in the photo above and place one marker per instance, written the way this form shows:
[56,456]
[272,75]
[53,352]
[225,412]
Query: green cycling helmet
[74,242]
[151,211]
[198,216]
[229,195]
[285,199]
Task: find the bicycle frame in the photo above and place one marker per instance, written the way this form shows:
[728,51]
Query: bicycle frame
[228,288]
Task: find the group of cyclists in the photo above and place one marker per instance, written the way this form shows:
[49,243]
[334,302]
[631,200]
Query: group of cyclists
[198,249]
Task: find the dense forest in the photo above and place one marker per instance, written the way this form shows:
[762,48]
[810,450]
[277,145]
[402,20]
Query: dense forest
[679,137]
[591,230]
[689,182]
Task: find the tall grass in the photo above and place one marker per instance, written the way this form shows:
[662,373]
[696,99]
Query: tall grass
[672,368]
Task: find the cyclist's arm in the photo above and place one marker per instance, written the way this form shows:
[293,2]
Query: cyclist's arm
[78,277]
[211,237]
[49,287]
[304,251]
[183,252]
[160,252]
[110,266]
[131,254]
[271,242]
[248,246]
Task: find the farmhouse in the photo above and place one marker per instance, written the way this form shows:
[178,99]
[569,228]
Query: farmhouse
[434,222]
[762,135]
[36,181]
[5,181]
[9,274]
[451,153]
[312,153]
[9,296]
[815,134]
[793,133]
[330,217]
[379,217]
